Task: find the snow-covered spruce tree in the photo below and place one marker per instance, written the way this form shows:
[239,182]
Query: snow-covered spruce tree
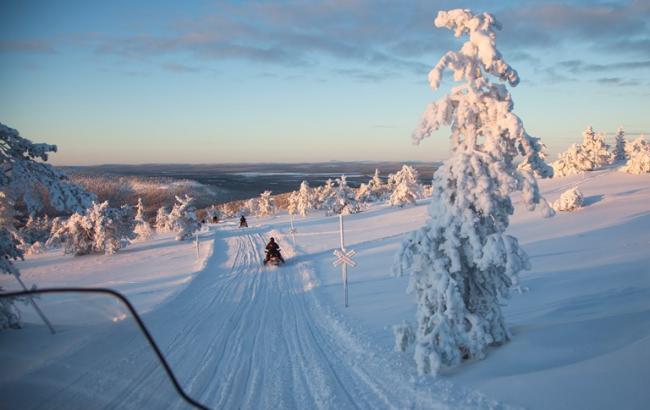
[461,263]
[292,203]
[142,228]
[27,178]
[182,218]
[596,149]
[570,200]
[638,153]
[305,201]
[407,188]
[591,154]
[345,201]
[619,149]
[374,191]
[162,223]
[265,204]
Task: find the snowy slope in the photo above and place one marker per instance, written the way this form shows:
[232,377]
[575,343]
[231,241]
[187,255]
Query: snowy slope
[243,336]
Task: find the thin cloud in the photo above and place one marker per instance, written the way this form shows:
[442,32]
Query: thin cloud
[25,46]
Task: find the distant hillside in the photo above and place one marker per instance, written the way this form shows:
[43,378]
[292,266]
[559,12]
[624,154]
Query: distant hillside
[229,182]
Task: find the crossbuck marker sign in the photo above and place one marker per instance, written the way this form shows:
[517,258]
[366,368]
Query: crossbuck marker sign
[344,259]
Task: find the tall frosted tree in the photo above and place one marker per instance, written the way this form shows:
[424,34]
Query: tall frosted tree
[182,218]
[265,204]
[292,206]
[27,179]
[344,202]
[406,188]
[162,223]
[461,263]
[305,201]
[142,227]
[326,196]
[619,150]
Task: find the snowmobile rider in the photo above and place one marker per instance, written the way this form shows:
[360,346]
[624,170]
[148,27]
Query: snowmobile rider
[242,222]
[272,249]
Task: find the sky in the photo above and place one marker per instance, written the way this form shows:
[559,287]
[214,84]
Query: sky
[300,81]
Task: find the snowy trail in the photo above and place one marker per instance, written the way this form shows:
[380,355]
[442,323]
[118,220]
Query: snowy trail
[244,336]
[256,337]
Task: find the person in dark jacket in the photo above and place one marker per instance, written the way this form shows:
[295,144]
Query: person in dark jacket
[242,222]
[273,249]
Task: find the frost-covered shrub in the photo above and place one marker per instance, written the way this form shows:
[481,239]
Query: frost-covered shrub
[570,200]
[461,263]
[374,191]
[182,218]
[99,230]
[592,154]
[638,153]
[142,228]
[406,188]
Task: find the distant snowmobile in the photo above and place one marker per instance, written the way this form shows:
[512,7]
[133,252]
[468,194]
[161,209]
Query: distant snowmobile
[242,222]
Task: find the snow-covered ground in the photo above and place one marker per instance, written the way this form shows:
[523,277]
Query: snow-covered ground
[239,335]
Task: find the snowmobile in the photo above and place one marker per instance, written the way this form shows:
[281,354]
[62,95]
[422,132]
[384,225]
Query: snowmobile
[82,348]
[273,258]
[243,223]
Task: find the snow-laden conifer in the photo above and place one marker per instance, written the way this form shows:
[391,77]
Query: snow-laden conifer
[326,196]
[142,227]
[619,149]
[305,199]
[27,178]
[34,234]
[570,200]
[265,204]
[593,153]
[292,206]
[461,263]
[638,153]
[24,176]
[374,191]
[182,218]
[571,162]
[344,200]
[406,188]
[597,150]
[162,223]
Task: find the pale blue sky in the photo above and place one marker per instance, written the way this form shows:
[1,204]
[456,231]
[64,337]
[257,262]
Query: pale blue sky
[226,81]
